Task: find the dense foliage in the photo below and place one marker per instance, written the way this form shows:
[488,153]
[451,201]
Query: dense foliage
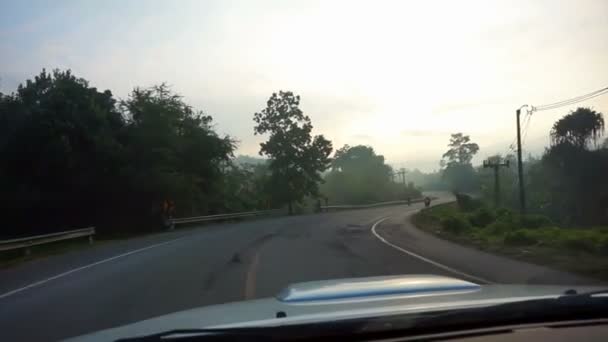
[296,158]
[358,175]
[568,183]
[73,156]
[457,160]
[533,237]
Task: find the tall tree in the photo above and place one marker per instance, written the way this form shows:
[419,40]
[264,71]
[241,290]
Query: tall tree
[459,172]
[570,181]
[579,128]
[461,150]
[59,153]
[296,157]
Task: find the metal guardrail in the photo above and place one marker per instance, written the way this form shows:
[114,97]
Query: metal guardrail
[220,217]
[363,206]
[27,242]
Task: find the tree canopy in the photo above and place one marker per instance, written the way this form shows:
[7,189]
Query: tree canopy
[359,175]
[459,171]
[461,150]
[296,157]
[579,128]
[74,156]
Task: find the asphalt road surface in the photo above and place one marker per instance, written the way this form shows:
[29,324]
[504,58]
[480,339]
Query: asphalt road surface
[125,281]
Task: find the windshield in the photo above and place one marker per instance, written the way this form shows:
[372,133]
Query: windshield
[162,156]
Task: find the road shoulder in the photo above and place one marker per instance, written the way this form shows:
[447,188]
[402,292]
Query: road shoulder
[400,231]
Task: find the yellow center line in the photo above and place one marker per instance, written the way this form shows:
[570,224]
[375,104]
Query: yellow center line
[251,276]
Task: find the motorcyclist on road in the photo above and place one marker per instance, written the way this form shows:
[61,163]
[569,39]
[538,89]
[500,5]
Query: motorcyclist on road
[427,201]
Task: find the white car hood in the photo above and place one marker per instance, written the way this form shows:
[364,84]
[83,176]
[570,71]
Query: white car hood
[337,300]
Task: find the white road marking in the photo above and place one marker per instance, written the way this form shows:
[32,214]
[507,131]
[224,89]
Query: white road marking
[434,263]
[38,283]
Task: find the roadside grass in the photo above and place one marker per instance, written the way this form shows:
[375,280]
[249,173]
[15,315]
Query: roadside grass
[533,239]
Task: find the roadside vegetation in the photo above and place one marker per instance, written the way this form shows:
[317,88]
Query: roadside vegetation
[74,156]
[533,238]
[566,224]
[360,176]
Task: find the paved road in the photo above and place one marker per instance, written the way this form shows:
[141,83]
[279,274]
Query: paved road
[126,281]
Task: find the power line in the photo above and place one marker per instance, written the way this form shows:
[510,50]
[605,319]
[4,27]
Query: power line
[554,105]
[511,147]
[567,103]
[571,101]
[576,99]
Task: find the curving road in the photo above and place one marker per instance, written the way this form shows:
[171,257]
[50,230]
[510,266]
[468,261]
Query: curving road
[126,281]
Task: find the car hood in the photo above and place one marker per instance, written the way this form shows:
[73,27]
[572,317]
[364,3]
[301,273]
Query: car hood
[339,299]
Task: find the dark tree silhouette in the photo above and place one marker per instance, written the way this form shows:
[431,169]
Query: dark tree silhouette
[296,157]
[579,128]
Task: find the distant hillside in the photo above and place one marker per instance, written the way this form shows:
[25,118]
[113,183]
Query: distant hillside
[241,159]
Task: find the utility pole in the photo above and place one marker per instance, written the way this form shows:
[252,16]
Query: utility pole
[496,164]
[402,174]
[520,168]
[399,173]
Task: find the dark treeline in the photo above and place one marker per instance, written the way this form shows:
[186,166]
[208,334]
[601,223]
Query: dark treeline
[358,176]
[73,156]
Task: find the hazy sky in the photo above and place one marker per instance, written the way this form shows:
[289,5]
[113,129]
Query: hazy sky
[399,76]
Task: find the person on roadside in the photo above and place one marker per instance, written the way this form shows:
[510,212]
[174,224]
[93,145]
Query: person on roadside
[427,201]
[167,211]
[170,214]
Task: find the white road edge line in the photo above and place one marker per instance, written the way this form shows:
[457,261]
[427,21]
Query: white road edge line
[38,283]
[434,263]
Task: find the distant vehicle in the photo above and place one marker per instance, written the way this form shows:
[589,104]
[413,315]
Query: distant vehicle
[412,307]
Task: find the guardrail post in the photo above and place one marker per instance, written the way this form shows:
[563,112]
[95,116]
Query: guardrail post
[27,243]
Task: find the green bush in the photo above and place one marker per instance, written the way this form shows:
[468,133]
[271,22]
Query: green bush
[482,217]
[579,243]
[548,236]
[520,237]
[602,245]
[499,227]
[467,203]
[507,216]
[504,221]
[455,224]
[534,221]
